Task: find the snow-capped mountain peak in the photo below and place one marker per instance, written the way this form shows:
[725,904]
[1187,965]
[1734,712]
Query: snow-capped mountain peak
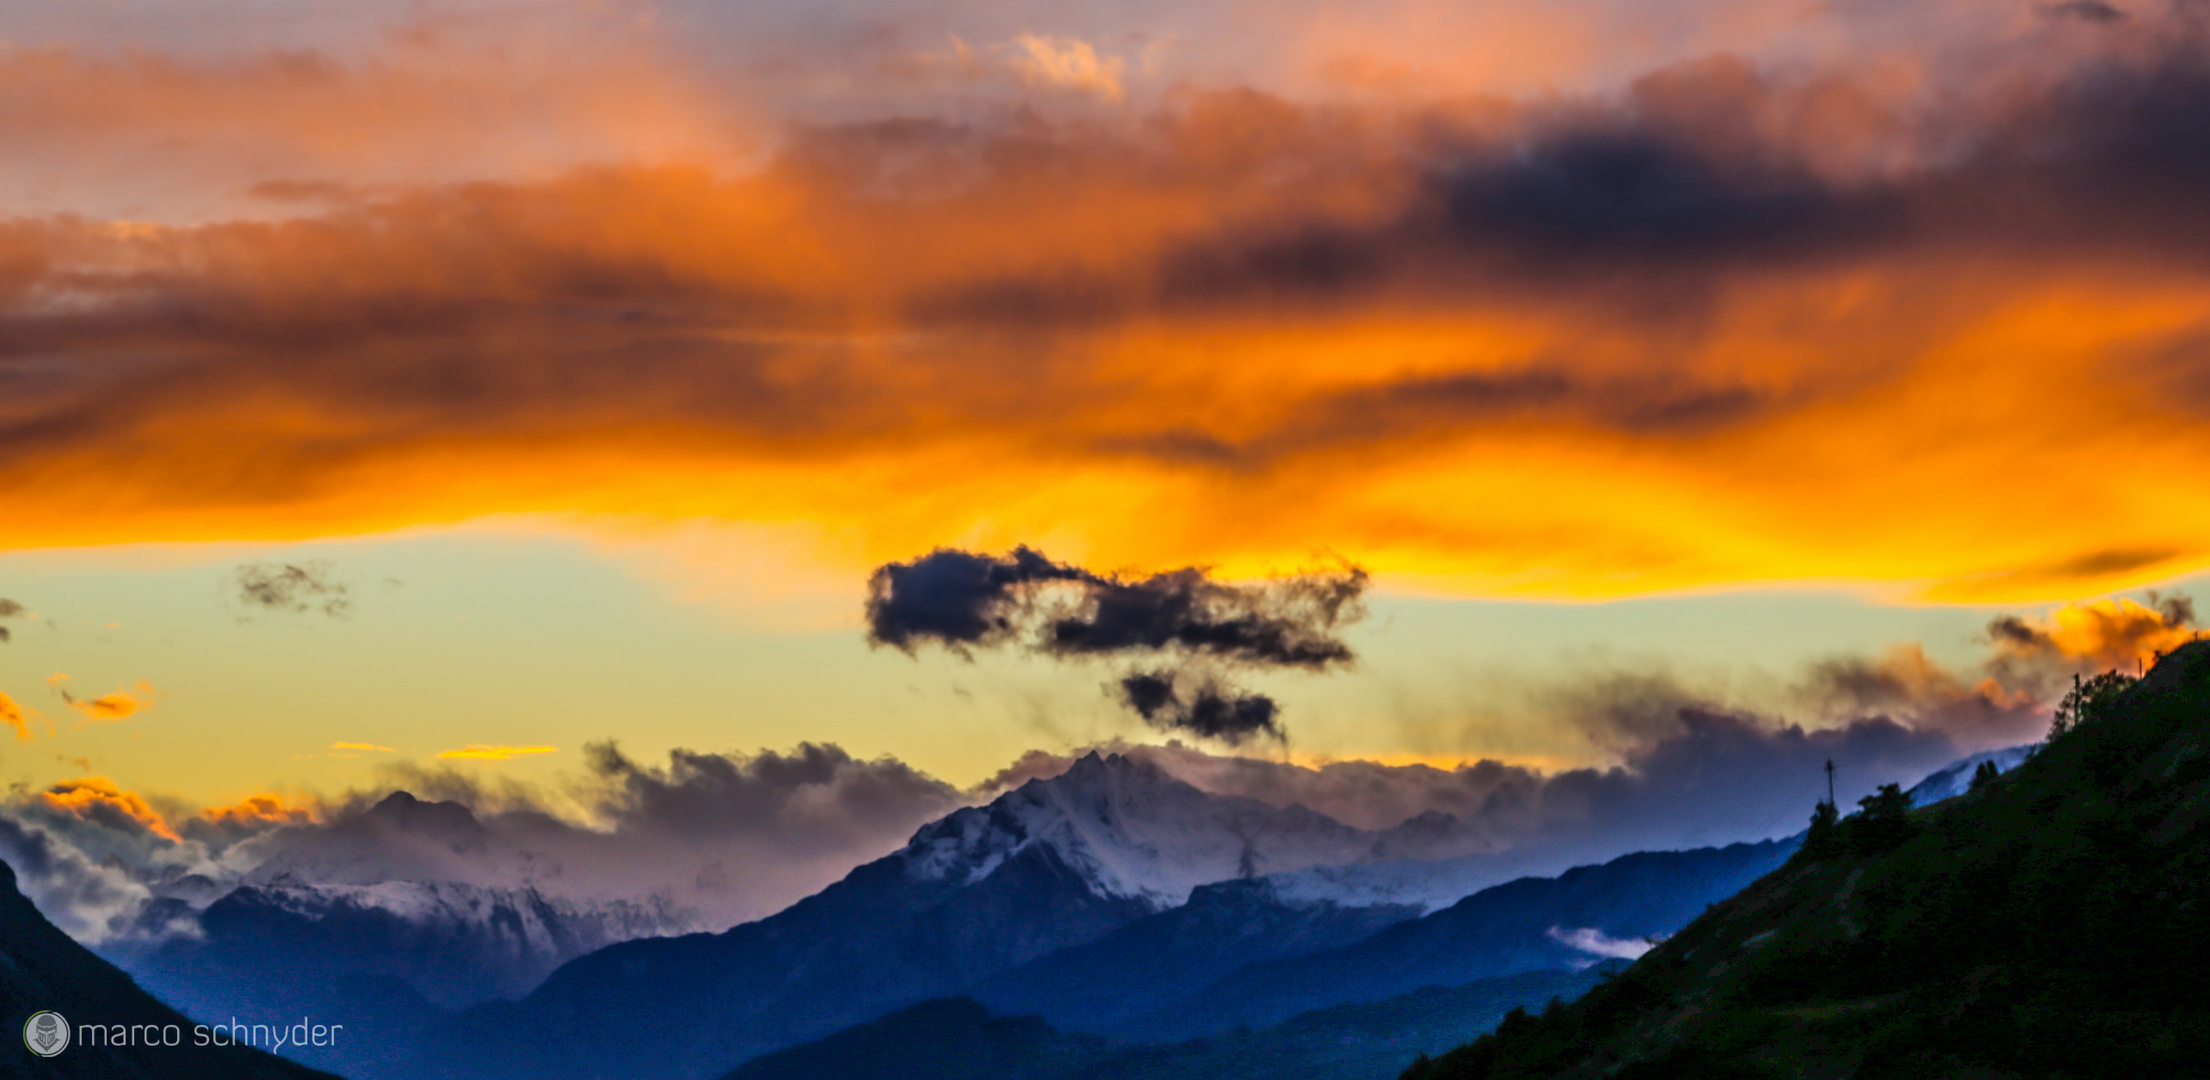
[1130,830]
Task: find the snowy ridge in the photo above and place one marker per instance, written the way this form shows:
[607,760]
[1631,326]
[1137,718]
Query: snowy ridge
[543,924]
[1130,830]
[1955,779]
[456,944]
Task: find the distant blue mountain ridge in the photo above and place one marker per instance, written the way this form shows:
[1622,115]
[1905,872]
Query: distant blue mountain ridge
[1113,900]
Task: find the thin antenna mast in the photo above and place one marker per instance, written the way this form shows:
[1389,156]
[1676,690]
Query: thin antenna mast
[1830,782]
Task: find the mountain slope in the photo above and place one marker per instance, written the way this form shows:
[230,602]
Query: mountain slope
[944,1039]
[1054,864]
[1517,926]
[453,944]
[42,968]
[959,1039]
[2051,924]
[1099,985]
[1956,779]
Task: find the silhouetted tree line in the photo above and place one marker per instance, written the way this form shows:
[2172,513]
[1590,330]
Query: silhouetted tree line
[1881,823]
[2088,701]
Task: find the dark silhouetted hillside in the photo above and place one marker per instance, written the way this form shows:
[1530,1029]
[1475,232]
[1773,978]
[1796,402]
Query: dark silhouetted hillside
[2052,922]
[958,1039]
[42,968]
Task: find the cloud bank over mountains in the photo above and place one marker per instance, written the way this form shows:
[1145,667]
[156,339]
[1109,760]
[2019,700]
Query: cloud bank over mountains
[728,837]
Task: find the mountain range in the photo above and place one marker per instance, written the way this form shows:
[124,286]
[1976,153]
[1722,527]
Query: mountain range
[1113,906]
[1051,865]
[1112,899]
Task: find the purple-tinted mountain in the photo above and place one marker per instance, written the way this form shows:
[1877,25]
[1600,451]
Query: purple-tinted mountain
[1052,865]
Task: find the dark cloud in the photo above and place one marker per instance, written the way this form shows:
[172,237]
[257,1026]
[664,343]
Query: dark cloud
[2176,372]
[1600,197]
[8,610]
[1208,709]
[291,588]
[958,598]
[1447,405]
[2177,608]
[961,599]
[1709,166]
[1624,189]
[2092,11]
[813,797]
[2090,566]
[1284,622]
[2013,630]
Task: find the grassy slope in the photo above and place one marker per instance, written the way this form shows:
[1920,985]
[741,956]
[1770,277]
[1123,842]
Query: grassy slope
[2054,924]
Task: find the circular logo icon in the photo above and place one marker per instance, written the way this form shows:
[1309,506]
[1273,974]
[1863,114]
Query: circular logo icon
[46,1033]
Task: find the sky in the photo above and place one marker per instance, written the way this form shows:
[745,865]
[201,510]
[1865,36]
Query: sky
[422,394]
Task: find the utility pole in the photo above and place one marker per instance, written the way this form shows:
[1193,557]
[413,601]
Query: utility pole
[1830,783]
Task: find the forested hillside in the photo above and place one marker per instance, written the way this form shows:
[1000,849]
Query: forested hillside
[2051,922]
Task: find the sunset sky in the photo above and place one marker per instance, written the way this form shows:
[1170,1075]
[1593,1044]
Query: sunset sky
[385,380]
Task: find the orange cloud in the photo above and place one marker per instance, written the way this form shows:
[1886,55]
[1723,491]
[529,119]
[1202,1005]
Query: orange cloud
[115,706]
[256,812]
[2119,633]
[256,132]
[99,799]
[482,752]
[359,746]
[1068,64]
[1728,326]
[14,716]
